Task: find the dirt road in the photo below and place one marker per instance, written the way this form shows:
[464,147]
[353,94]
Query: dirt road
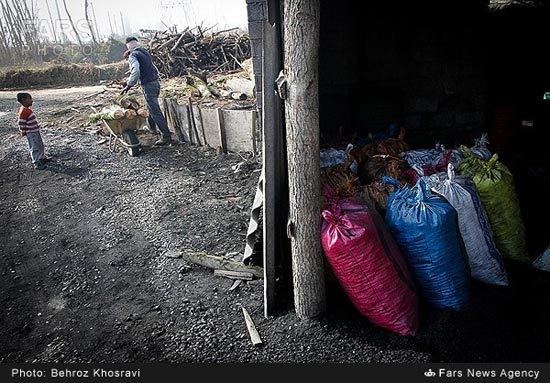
[86,274]
[84,242]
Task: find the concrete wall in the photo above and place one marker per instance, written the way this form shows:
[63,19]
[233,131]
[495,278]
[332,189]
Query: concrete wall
[230,130]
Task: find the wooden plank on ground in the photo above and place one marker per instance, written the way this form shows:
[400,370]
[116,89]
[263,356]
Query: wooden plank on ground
[254,336]
[243,275]
[220,263]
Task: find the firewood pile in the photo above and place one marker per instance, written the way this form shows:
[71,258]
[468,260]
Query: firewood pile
[175,54]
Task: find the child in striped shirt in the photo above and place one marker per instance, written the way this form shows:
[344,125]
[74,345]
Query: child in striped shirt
[28,127]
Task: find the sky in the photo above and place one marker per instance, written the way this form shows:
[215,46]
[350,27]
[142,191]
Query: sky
[127,17]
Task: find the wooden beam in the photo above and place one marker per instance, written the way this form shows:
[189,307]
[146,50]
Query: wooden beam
[275,208]
[220,263]
[243,275]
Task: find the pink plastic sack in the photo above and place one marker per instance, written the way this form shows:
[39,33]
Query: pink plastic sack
[369,266]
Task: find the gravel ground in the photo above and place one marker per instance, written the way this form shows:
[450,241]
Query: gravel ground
[86,274]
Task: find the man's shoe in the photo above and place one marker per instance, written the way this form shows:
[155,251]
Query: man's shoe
[40,165]
[164,141]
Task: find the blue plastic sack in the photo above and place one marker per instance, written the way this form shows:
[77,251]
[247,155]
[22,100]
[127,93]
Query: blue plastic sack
[425,226]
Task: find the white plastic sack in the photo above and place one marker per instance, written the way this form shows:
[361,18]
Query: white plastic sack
[485,260]
[480,148]
[543,260]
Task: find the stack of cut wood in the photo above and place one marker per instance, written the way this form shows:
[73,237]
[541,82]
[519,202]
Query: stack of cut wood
[175,54]
[126,107]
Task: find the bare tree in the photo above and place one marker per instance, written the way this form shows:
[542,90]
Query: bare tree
[301,68]
[98,35]
[63,35]
[89,22]
[19,32]
[51,22]
[72,24]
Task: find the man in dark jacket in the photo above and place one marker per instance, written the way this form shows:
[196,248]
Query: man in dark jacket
[143,70]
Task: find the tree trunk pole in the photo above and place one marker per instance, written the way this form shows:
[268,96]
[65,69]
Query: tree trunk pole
[301,69]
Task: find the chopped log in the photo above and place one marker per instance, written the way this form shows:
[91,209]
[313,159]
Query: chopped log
[238,96]
[199,84]
[215,92]
[241,85]
[130,114]
[142,112]
[219,263]
[116,114]
[200,74]
[225,93]
[127,102]
[243,275]
[254,336]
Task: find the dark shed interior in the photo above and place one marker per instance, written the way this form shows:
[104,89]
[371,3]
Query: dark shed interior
[446,72]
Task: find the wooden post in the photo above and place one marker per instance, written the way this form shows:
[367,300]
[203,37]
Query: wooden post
[301,69]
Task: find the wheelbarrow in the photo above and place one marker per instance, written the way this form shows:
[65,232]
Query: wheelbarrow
[123,132]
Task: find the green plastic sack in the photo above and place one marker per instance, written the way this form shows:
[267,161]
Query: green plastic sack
[495,184]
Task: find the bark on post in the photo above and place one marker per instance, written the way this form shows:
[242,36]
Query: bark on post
[301,68]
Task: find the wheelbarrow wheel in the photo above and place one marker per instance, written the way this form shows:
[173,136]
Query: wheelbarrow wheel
[130,138]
